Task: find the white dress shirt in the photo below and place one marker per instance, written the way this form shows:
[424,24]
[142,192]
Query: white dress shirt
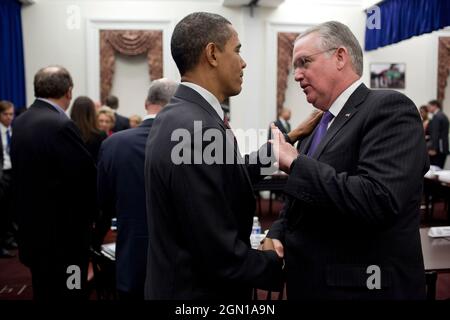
[340,101]
[208,96]
[6,157]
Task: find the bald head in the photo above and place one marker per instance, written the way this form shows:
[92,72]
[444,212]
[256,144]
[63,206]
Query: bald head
[52,82]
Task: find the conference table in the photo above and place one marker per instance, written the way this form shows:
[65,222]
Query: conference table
[272,183]
[436,257]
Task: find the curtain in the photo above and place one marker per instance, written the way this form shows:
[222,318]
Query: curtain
[12,74]
[130,43]
[403,19]
[285,47]
[443,66]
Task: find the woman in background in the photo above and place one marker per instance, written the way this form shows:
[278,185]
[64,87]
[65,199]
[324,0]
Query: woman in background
[83,114]
[135,121]
[106,120]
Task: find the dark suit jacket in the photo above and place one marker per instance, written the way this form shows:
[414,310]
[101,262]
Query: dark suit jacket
[122,123]
[94,143]
[438,130]
[54,188]
[121,192]
[199,215]
[280,126]
[356,202]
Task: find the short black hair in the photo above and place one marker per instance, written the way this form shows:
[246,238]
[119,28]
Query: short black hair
[52,82]
[436,103]
[193,33]
[112,102]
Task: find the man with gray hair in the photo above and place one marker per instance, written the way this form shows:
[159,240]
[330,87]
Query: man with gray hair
[121,191]
[351,229]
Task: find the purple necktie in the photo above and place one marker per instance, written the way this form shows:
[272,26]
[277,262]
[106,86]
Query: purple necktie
[320,132]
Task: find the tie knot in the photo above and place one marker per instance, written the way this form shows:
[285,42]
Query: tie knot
[327,116]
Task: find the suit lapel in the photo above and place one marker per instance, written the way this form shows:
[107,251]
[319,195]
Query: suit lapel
[186,93]
[347,112]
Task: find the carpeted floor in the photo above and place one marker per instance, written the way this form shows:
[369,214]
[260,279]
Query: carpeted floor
[15,280]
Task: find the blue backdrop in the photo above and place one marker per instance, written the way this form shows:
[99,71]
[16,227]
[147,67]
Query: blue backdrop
[403,19]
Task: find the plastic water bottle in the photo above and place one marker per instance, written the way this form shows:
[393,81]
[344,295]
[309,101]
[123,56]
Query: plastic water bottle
[256,229]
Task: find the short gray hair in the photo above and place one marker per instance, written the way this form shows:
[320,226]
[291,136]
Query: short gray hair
[334,35]
[161,91]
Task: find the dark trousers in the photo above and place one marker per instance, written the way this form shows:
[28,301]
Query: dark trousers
[52,281]
[6,217]
[130,296]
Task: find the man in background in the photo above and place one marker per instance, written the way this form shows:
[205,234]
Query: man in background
[121,123]
[121,192]
[282,122]
[54,190]
[438,131]
[7,231]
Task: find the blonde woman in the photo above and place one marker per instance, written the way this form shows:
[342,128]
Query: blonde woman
[106,120]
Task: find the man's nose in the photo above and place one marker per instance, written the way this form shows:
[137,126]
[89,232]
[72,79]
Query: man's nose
[298,74]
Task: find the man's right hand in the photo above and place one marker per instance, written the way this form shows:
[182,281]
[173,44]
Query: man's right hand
[273,244]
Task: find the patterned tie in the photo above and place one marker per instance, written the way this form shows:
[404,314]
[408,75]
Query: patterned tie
[8,140]
[226,123]
[320,132]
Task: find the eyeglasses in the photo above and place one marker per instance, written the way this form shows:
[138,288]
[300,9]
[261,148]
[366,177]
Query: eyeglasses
[303,62]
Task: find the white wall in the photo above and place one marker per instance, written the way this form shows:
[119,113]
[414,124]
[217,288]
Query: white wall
[49,40]
[420,55]
[130,84]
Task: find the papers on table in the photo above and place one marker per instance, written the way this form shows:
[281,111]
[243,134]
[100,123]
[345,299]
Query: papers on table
[437,232]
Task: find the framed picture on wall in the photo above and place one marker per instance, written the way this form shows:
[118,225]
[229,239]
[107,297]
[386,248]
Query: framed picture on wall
[387,75]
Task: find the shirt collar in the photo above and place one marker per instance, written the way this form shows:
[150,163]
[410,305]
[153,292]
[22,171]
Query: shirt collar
[149,116]
[208,96]
[3,127]
[340,101]
[54,105]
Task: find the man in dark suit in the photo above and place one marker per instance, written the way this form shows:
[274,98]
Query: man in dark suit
[351,230]
[121,191]
[438,131]
[200,213]
[282,122]
[6,221]
[54,190]
[121,123]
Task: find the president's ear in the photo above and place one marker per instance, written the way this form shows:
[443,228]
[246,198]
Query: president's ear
[211,51]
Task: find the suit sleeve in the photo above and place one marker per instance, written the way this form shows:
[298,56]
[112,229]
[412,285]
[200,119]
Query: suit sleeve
[106,194]
[211,230]
[392,161]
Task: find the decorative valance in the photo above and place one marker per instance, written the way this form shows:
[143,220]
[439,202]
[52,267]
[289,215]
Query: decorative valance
[129,43]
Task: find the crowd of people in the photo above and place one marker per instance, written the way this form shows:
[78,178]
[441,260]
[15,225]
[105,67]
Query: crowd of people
[183,228]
